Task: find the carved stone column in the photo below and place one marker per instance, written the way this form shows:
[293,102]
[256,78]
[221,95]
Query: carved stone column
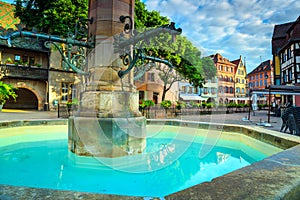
[108,123]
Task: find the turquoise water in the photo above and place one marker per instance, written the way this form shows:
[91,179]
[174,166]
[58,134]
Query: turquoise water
[44,161]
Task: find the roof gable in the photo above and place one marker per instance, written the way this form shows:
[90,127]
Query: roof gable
[264,66]
[280,30]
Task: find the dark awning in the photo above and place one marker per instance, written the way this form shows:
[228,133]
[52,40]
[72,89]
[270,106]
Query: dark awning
[278,89]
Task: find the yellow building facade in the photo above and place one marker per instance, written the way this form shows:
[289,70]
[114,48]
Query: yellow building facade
[240,78]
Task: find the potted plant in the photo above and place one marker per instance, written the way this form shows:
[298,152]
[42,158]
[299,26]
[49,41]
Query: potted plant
[166,104]
[142,105]
[180,104]
[6,91]
[8,61]
[149,103]
[72,104]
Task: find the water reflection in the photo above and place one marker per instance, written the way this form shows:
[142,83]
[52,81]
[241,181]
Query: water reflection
[50,165]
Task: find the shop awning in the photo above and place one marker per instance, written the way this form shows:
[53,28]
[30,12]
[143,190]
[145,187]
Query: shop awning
[192,98]
[278,89]
[238,98]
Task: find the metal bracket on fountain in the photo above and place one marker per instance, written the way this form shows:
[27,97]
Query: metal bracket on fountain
[75,61]
[125,42]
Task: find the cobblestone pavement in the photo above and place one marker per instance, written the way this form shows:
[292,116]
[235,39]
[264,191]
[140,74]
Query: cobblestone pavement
[233,118]
[11,114]
[258,119]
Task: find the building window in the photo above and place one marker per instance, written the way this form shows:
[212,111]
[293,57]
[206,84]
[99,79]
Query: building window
[190,90]
[243,90]
[31,61]
[283,57]
[260,83]
[196,90]
[17,58]
[237,90]
[289,53]
[67,91]
[226,89]
[260,75]
[220,89]
[298,78]
[183,89]
[213,90]
[220,67]
[290,74]
[25,59]
[298,67]
[142,78]
[151,77]
[265,82]
[231,90]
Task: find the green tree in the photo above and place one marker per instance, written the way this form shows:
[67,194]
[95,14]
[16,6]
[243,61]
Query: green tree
[209,67]
[56,17]
[183,55]
[6,91]
[144,18]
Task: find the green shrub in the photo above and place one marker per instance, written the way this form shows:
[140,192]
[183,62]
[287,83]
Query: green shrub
[180,104]
[166,104]
[6,91]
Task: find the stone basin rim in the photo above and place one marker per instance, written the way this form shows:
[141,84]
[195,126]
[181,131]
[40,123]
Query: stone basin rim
[286,163]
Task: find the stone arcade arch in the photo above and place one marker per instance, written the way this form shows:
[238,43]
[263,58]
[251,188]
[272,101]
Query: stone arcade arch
[27,99]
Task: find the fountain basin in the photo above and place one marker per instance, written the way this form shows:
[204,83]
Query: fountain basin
[284,159]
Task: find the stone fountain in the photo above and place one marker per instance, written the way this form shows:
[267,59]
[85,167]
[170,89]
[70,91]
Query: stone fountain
[108,123]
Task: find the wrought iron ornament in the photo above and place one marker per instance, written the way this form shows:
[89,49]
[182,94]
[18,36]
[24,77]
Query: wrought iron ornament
[123,45]
[74,61]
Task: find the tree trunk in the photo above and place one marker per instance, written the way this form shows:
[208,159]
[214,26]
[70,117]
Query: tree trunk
[165,90]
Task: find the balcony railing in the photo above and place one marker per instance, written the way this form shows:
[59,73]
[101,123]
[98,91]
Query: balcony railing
[14,71]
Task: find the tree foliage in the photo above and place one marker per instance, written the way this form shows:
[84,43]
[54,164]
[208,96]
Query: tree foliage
[144,18]
[6,91]
[208,67]
[56,17]
[184,56]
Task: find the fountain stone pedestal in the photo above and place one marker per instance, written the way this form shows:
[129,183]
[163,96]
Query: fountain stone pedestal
[108,123]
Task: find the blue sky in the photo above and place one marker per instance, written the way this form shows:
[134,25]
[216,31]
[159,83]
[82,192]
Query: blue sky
[229,27]
[8,1]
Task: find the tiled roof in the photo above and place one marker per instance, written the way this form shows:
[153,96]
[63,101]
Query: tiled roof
[294,24]
[283,33]
[7,18]
[281,29]
[294,30]
[264,66]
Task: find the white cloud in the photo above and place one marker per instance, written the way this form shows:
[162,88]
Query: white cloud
[229,27]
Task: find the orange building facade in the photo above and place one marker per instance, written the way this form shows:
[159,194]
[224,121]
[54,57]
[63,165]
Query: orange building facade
[226,75]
